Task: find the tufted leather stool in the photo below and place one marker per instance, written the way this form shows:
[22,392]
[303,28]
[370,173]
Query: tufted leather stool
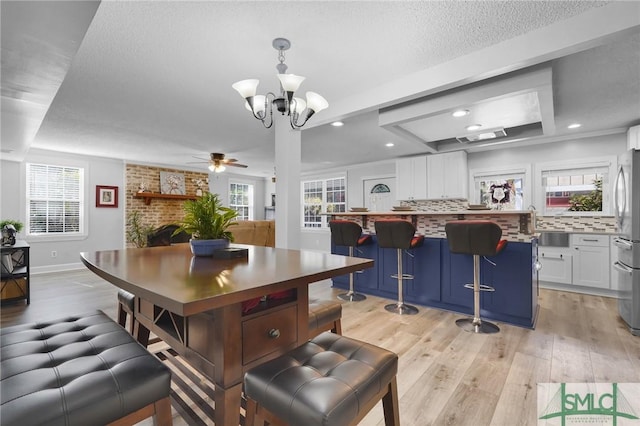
[125,307]
[330,380]
[478,238]
[349,234]
[400,235]
[324,315]
[80,370]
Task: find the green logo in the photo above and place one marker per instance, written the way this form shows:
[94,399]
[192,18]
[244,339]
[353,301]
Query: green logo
[582,403]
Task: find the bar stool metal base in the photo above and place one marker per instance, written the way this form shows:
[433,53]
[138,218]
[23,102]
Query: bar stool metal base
[480,327]
[352,297]
[401,309]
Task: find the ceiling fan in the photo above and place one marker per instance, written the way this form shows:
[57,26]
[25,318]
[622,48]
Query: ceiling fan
[217,162]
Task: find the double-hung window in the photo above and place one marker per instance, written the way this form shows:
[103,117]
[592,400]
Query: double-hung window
[577,188]
[319,196]
[241,200]
[55,200]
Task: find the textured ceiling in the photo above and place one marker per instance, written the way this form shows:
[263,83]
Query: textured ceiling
[151,81]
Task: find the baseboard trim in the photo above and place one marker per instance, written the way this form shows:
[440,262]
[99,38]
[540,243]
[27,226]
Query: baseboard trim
[36,270]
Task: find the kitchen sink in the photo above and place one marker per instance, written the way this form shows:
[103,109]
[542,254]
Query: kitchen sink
[554,239]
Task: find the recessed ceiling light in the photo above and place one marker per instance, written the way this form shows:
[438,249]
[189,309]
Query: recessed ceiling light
[337,124]
[389,144]
[574,126]
[460,113]
[473,127]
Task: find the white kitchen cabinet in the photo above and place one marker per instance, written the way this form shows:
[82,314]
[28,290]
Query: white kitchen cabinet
[557,264]
[633,137]
[411,178]
[447,175]
[591,263]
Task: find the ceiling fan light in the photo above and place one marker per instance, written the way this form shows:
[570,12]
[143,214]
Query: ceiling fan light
[316,102]
[300,105]
[246,88]
[219,168]
[290,82]
[211,167]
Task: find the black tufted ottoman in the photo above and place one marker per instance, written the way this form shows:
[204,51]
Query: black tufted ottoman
[81,370]
[324,315]
[330,380]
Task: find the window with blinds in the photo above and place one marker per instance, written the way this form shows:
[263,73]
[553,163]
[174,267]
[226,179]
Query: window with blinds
[55,201]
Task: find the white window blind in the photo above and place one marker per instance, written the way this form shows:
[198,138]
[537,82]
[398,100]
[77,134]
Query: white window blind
[55,199]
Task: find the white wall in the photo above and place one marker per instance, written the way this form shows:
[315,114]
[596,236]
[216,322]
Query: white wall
[105,226]
[553,151]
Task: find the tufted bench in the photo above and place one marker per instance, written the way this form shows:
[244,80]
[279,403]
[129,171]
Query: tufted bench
[324,315]
[330,380]
[80,370]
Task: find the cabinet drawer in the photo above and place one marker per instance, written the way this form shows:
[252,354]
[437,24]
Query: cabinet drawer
[590,240]
[266,333]
[13,288]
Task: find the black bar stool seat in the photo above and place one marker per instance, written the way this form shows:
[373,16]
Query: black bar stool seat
[400,235]
[477,238]
[349,234]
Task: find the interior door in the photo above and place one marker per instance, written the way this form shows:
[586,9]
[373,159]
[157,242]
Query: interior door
[379,193]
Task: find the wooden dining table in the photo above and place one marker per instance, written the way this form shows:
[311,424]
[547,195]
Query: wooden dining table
[195,305]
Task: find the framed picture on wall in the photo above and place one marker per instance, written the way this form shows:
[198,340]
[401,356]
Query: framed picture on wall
[106,196]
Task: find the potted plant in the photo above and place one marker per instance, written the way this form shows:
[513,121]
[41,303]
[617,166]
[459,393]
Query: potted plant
[207,221]
[137,232]
[16,224]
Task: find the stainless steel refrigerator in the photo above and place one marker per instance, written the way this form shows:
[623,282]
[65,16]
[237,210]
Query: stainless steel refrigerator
[627,210]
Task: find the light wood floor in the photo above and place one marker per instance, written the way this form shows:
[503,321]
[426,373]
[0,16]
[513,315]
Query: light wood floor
[446,376]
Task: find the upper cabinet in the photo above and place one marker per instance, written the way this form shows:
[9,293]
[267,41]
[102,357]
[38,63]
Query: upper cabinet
[411,178]
[447,176]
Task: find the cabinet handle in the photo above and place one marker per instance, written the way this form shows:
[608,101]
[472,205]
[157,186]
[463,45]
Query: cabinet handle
[591,240]
[274,333]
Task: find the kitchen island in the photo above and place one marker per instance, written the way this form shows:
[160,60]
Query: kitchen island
[440,276]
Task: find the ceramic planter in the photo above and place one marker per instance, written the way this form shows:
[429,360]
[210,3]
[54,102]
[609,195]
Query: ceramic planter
[207,247]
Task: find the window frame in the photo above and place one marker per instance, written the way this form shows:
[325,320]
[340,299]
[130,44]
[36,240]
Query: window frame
[82,194]
[324,219]
[609,162]
[251,198]
[514,170]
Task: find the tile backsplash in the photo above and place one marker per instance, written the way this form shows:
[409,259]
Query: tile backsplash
[592,224]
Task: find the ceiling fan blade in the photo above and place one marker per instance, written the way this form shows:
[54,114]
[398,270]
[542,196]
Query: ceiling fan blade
[244,166]
[229,160]
[200,158]
[198,162]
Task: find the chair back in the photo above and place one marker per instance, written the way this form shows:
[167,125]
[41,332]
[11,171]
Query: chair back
[345,232]
[394,233]
[479,237]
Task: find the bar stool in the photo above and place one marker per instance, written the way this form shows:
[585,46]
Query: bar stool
[478,238]
[349,234]
[400,235]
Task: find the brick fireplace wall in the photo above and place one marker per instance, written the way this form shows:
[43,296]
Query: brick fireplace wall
[159,211]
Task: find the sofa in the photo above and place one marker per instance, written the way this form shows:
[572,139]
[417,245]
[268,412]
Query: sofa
[163,236]
[254,232]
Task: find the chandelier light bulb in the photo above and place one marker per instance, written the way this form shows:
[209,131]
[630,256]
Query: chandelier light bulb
[246,88]
[290,82]
[315,102]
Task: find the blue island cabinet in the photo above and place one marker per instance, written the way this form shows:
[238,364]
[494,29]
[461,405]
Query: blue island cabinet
[440,276]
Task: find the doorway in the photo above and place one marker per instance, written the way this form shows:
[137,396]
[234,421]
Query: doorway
[379,193]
